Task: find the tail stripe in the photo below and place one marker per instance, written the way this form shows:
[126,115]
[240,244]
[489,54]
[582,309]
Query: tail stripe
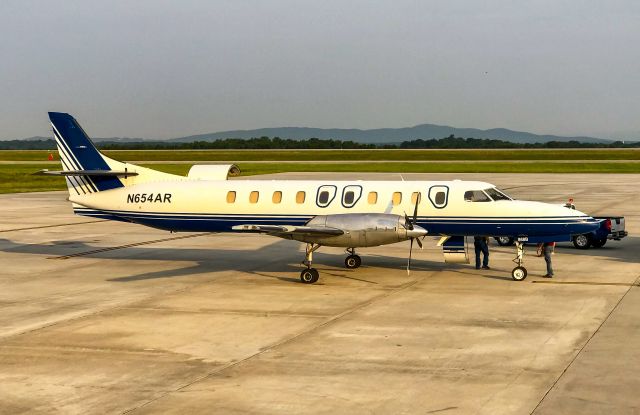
[75,181]
[84,180]
[72,181]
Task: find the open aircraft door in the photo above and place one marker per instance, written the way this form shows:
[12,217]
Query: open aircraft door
[454,249]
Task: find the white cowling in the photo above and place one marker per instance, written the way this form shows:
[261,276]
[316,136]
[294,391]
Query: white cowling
[213,171]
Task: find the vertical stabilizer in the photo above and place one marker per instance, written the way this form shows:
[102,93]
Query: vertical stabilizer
[77,152]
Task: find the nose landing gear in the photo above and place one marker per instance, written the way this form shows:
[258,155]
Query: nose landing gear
[519,273]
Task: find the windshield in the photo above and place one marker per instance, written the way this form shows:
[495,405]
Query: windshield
[476,196]
[496,194]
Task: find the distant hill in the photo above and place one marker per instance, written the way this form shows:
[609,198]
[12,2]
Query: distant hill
[374,136]
[388,135]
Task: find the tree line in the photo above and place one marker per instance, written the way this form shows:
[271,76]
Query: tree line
[450,142]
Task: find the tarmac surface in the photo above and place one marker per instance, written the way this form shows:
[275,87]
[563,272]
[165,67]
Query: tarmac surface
[109,317]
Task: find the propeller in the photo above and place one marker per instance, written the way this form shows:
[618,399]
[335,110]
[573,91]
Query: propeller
[413,231]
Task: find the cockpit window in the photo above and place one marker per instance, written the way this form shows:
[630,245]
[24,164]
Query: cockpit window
[496,194]
[476,196]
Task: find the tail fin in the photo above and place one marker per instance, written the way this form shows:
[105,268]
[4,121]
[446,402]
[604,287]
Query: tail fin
[77,153]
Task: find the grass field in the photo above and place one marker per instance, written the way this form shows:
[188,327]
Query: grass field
[343,155]
[20,178]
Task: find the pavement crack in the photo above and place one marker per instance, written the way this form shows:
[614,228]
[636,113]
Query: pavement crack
[585,345]
[285,341]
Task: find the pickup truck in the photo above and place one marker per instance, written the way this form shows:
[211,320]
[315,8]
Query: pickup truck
[611,227]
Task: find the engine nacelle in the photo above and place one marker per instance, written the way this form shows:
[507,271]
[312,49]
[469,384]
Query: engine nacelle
[361,229]
[213,171]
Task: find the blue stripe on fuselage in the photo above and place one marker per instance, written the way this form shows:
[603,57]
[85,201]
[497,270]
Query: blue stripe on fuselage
[461,226]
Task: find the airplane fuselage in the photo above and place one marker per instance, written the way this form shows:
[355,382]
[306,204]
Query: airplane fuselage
[217,206]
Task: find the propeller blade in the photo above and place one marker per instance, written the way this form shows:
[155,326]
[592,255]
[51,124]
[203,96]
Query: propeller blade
[415,210]
[409,260]
[408,225]
[419,242]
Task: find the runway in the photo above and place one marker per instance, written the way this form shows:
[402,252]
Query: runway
[109,317]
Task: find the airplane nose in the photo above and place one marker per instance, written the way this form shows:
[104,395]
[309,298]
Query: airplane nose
[416,232]
[588,225]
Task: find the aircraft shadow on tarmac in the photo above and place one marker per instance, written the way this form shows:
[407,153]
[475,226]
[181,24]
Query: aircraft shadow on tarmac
[280,256]
[284,256]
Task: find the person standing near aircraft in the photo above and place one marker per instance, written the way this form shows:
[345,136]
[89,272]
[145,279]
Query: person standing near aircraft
[480,243]
[546,249]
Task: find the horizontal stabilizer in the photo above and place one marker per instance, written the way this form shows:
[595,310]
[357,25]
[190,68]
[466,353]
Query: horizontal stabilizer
[287,229]
[104,173]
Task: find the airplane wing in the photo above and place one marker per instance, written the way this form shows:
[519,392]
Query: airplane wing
[289,230]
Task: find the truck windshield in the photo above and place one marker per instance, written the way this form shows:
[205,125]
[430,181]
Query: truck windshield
[496,194]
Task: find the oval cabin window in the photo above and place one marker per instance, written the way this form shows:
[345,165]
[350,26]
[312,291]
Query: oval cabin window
[438,196]
[231,197]
[415,198]
[300,198]
[325,195]
[348,197]
[372,198]
[277,197]
[254,196]
[397,198]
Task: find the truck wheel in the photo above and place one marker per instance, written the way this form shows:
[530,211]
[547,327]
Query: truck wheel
[504,240]
[582,241]
[599,243]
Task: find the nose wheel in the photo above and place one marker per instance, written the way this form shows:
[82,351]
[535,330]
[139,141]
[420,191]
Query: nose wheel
[519,273]
[352,261]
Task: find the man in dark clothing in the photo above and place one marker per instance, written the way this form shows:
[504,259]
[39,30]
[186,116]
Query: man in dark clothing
[480,243]
[547,250]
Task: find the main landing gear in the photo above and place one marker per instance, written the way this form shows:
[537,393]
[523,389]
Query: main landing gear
[353,260]
[519,273]
[309,275]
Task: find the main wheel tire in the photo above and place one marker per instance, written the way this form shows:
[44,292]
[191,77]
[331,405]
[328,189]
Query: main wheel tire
[352,261]
[599,243]
[309,275]
[519,273]
[505,240]
[582,241]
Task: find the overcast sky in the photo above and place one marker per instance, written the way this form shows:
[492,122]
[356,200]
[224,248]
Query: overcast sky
[161,69]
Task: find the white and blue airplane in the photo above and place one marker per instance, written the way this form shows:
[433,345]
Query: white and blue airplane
[349,214]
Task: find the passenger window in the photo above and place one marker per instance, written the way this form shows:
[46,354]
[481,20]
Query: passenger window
[438,196]
[351,195]
[348,197]
[476,196]
[372,198]
[254,196]
[277,197]
[300,196]
[325,195]
[231,197]
[415,198]
[397,198]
